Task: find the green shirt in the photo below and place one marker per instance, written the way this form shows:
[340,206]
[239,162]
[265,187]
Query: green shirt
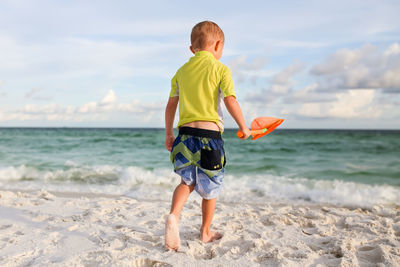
[201,85]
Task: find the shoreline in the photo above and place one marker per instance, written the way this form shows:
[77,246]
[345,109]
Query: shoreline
[65,228]
[279,203]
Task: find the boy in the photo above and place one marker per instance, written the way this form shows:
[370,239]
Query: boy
[197,153]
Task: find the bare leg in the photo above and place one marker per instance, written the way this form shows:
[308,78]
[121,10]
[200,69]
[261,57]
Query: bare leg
[181,194]
[208,207]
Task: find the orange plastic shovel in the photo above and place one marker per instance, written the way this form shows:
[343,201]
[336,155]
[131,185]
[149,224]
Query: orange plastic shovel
[262,126]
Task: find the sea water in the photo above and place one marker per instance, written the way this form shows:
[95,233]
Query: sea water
[346,167]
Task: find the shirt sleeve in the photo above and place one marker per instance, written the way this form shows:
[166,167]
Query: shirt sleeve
[174,87]
[226,83]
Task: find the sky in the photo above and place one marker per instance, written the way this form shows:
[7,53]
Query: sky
[317,64]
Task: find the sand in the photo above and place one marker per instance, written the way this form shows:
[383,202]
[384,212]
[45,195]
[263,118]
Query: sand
[40,228]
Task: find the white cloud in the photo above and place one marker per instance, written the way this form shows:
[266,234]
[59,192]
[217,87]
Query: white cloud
[107,103]
[35,94]
[342,60]
[2,94]
[350,104]
[283,81]
[394,49]
[353,104]
[391,79]
[327,97]
[296,44]
[137,107]
[109,98]
[281,84]
[47,109]
[71,58]
[243,70]
[309,94]
[91,107]
[32,92]
[366,67]
[285,75]
[91,111]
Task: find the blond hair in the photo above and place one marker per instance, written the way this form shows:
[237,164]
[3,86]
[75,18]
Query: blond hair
[205,33]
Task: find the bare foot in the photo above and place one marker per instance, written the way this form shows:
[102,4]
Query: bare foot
[172,240]
[210,236]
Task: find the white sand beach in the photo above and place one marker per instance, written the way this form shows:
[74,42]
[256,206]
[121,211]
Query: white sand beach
[39,228]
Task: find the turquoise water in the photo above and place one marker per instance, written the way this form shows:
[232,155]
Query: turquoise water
[135,160]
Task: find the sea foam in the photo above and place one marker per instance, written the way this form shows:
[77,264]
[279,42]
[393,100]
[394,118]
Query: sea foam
[159,183]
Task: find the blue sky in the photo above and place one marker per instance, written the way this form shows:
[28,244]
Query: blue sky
[318,64]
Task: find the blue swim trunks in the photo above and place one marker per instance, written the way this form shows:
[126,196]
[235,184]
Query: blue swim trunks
[199,158]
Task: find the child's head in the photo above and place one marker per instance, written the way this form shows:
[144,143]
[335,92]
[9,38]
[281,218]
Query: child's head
[208,36]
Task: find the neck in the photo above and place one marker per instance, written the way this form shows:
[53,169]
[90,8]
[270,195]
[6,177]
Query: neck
[208,50]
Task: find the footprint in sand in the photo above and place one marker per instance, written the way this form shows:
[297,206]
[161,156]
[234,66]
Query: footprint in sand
[151,224]
[19,233]
[266,221]
[5,226]
[149,262]
[370,254]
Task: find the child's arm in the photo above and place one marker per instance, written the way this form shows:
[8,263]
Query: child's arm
[234,109]
[170,111]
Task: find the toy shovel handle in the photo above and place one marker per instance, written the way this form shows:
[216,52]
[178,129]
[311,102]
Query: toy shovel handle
[253,132]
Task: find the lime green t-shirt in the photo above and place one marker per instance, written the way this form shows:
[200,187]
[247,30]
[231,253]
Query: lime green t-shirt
[201,85]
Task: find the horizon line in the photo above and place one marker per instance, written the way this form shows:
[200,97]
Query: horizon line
[160,128]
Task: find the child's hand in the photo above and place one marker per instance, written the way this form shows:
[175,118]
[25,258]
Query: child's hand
[246,133]
[169,140]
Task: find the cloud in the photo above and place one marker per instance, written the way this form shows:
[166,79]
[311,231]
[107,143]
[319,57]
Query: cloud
[66,60]
[393,50]
[105,109]
[308,94]
[2,94]
[295,44]
[137,107]
[354,104]
[109,98]
[107,103]
[243,70]
[350,104]
[335,90]
[34,93]
[365,67]
[146,111]
[281,84]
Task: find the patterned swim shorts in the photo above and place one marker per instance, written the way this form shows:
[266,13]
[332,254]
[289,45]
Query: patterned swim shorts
[199,158]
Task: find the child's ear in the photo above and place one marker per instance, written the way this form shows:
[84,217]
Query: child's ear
[217,45]
[191,49]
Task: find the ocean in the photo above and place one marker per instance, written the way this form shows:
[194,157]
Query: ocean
[359,168]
